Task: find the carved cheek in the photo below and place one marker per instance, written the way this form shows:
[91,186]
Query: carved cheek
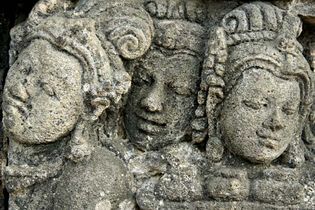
[50,118]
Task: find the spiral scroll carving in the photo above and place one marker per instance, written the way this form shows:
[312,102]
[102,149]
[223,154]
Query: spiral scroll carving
[130,33]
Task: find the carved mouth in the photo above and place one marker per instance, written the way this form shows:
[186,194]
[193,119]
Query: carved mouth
[149,126]
[9,102]
[267,139]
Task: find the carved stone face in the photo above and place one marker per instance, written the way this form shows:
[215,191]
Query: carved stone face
[42,98]
[162,99]
[260,116]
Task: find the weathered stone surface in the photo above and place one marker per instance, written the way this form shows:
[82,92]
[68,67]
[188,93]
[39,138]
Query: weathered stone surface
[100,181]
[149,104]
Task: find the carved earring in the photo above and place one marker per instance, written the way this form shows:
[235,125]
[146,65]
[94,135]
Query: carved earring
[294,155]
[214,149]
[80,149]
[100,104]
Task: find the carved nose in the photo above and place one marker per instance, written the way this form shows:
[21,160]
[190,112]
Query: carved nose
[19,91]
[153,102]
[274,122]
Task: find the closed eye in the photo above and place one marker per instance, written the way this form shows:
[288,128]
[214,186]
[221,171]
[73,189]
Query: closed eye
[26,70]
[252,104]
[184,91]
[48,89]
[289,110]
[142,79]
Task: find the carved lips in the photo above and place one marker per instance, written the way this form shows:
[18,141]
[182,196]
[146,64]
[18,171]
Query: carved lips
[11,102]
[149,125]
[268,139]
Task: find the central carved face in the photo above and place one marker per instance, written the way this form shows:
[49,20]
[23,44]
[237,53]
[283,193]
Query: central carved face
[162,99]
[42,98]
[260,116]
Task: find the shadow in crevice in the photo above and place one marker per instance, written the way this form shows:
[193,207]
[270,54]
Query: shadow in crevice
[6,199]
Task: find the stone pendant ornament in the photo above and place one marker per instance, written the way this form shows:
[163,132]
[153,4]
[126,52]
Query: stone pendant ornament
[159,104]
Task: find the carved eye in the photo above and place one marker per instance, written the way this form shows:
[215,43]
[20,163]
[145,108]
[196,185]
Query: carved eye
[48,89]
[252,104]
[289,110]
[26,70]
[183,91]
[142,79]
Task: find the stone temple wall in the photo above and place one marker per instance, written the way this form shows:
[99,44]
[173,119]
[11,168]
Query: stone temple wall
[157,104]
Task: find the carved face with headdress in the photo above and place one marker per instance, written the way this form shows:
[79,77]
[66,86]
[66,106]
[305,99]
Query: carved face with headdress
[68,72]
[260,85]
[49,92]
[162,99]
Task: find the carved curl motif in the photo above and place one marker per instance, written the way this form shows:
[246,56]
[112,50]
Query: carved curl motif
[129,30]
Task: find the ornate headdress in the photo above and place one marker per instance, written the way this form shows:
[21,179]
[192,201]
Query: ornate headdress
[178,24]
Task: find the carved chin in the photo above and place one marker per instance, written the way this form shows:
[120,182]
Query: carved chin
[258,154]
[13,125]
[265,155]
[147,141]
[19,132]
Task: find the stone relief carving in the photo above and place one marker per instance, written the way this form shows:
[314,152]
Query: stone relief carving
[254,116]
[158,105]
[161,105]
[251,114]
[56,92]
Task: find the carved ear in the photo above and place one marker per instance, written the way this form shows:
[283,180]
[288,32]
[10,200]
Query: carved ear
[80,149]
